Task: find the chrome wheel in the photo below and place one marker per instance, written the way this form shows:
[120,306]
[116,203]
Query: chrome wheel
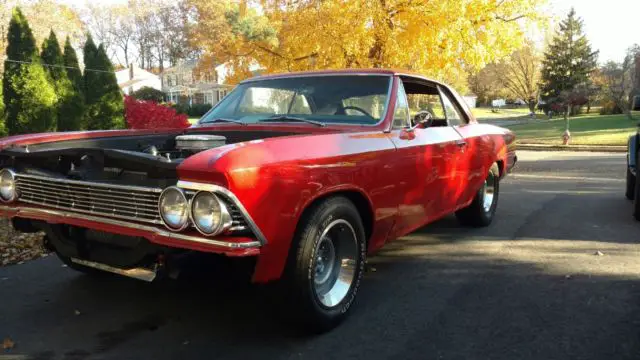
[488,192]
[335,263]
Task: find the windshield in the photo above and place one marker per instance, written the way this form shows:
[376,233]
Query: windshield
[336,99]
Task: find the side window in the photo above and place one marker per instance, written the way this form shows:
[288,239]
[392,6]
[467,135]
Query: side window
[426,102]
[454,117]
[300,105]
[401,113]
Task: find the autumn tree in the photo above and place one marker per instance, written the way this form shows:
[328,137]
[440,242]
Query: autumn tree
[152,32]
[567,65]
[486,84]
[28,96]
[443,39]
[617,80]
[520,74]
[43,16]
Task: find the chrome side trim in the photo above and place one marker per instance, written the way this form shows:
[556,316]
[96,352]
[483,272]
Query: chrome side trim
[136,273]
[26,211]
[231,196]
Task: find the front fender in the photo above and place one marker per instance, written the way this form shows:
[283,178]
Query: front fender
[275,180]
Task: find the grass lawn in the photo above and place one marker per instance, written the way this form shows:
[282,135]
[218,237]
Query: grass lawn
[591,129]
[486,113]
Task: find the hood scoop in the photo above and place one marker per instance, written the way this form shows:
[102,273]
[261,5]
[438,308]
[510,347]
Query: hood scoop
[196,143]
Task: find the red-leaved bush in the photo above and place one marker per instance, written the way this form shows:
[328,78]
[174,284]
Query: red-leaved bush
[141,114]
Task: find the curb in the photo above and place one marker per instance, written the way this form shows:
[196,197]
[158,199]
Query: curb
[591,148]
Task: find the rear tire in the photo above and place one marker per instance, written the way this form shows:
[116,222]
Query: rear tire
[636,201]
[631,185]
[483,207]
[326,265]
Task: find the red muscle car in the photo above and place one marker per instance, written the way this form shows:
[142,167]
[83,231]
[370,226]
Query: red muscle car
[304,173]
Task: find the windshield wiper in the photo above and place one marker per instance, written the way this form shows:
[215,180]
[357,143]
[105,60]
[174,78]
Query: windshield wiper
[278,118]
[224,120]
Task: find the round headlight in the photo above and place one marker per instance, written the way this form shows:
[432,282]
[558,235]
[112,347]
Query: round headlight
[174,208]
[209,214]
[8,185]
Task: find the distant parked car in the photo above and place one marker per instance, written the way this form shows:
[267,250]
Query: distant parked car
[633,184]
[305,174]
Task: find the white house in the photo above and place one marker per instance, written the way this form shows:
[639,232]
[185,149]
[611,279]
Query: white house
[185,83]
[133,78]
[470,100]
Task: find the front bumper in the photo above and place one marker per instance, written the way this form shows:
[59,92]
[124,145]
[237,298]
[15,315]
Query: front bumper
[230,246]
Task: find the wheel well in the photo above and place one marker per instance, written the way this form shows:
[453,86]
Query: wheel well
[500,167]
[358,199]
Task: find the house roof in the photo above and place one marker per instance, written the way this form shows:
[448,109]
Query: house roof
[124,76]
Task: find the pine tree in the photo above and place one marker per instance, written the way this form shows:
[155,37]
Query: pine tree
[73,109]
[53,64]
[568,63]
[28,96]
[72,66]
[52,57]
[91,78]
[104,101]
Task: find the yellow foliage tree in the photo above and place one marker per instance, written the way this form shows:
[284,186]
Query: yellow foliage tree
[442,39]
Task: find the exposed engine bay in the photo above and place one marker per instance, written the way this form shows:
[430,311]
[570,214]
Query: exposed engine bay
[143,160]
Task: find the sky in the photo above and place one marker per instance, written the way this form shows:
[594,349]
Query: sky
[610,25]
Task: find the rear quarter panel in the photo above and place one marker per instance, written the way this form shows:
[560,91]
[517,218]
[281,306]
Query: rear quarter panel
[276,179]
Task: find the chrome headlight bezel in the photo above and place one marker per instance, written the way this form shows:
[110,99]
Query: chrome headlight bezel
[186,206]
[12,178]
[225,217]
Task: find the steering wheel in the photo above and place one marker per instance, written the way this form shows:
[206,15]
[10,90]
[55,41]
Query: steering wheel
[423,117]
[358,109]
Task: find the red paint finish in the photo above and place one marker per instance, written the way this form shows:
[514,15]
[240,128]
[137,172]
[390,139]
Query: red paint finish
[406,178]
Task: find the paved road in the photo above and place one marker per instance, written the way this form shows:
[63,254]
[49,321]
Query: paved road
[528,287]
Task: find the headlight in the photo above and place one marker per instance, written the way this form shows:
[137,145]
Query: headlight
[174,208]
[7,185]
[209,214]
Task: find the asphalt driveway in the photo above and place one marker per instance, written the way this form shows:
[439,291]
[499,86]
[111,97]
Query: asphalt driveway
[557,276]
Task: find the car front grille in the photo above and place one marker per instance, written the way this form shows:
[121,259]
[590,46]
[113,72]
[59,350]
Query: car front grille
[109,200]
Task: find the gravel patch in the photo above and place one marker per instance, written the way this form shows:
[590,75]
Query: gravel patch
[17,247]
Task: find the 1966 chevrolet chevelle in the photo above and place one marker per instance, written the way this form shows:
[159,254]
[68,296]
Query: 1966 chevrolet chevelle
[306,173]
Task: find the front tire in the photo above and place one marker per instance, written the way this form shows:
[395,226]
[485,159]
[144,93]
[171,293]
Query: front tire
[483,207]
[326,264]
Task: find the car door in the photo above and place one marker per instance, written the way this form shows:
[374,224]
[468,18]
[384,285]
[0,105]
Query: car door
[424,156]
[470,169]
